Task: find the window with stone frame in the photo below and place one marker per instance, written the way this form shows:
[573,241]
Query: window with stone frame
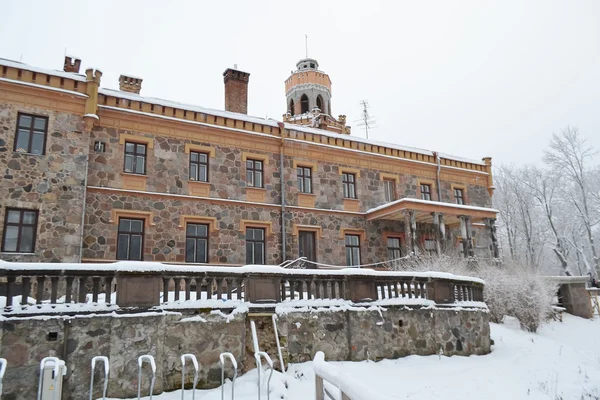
[304,179]
[352,250]
[394,248]
[196,243]
[459,196]
[425,191]
[349,185]
[31,134]
[130,239]
[389,187]
[254,173]
[20,230]
[255,246]
[198,166]
[135,158]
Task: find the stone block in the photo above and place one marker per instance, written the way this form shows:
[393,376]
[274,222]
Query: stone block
[576,299]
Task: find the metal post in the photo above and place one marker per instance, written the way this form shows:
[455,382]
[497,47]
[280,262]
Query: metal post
[106,372]
[257,357]
[148,358]
[3,364]
[231,358]
[195,362]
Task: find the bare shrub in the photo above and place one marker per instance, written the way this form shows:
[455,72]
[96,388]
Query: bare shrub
[511,289]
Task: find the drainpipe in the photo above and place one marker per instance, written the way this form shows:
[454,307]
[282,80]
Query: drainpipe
[85,180]
[437,175]
[282,178]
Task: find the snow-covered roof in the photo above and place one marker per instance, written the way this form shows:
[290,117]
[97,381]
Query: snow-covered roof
[27,67]
[187,107]
[429,202]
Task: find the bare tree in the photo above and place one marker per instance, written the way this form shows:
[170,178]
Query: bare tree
[569,155]
[543,186]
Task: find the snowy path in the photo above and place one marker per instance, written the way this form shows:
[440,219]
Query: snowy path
[561,362]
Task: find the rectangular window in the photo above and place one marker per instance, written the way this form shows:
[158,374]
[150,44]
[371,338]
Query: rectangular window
[31,134]
[394,248]
[459,196]
[352,250]
[425,192]
[135,158]
[304,179]
[198,166]
[349,185]
[20,228]
[254,173]
[196,243]
[255,246]
[429,246]
[130,242]
[389,186]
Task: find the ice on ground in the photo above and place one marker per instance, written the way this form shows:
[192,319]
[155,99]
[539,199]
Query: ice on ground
[562,362]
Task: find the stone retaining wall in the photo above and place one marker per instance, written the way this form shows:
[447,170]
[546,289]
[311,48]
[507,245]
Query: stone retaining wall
[355,335]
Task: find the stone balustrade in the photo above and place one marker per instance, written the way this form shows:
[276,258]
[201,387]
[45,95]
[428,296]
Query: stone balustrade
[81,288]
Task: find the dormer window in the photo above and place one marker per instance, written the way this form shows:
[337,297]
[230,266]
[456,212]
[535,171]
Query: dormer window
[312,65]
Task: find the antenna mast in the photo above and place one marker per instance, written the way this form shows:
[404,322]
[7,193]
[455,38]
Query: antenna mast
[366,120]
[306,44]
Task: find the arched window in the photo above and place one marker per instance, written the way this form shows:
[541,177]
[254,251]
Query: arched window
[304,104]
[320,103]
[291,107]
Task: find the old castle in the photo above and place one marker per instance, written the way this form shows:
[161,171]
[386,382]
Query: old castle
[96,175]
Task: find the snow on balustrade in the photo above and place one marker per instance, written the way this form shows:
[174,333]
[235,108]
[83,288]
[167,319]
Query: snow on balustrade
[47,288]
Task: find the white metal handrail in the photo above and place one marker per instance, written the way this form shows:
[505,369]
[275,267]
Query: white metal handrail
[282,365]
[104,360]
[195,363]
[148,358]
[257,357]
[222,358]
[350,389]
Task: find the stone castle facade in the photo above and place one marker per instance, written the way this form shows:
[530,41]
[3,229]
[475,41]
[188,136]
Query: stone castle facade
[91,174]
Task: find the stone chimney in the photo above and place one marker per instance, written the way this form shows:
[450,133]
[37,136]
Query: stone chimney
[130,84]
[72,64]
[236,90]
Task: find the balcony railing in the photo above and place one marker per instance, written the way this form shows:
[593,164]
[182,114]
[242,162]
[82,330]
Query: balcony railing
[30,288]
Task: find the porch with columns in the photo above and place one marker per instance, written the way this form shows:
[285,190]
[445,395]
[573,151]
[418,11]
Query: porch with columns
[427,225]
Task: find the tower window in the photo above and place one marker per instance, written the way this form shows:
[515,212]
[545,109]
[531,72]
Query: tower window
[304,104]
[312,65]
[292,107]
[320,103]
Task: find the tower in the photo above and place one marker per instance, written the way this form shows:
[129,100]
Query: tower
[307,88]
[308,98]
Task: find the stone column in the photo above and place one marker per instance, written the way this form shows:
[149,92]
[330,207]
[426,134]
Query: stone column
[490,223]
[463,234]
[470,249]
[407,234]
[413,228]
[439,231]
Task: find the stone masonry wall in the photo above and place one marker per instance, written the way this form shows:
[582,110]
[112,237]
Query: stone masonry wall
[52,183]
[342,335]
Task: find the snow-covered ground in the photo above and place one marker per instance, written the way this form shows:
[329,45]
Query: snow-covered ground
[561,362]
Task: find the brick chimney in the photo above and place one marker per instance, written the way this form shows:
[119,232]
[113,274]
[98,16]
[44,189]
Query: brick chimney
[130,84]
[72,64]
[236,90]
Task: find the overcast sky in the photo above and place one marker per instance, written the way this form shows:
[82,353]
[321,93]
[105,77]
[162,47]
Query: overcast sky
[470,78]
